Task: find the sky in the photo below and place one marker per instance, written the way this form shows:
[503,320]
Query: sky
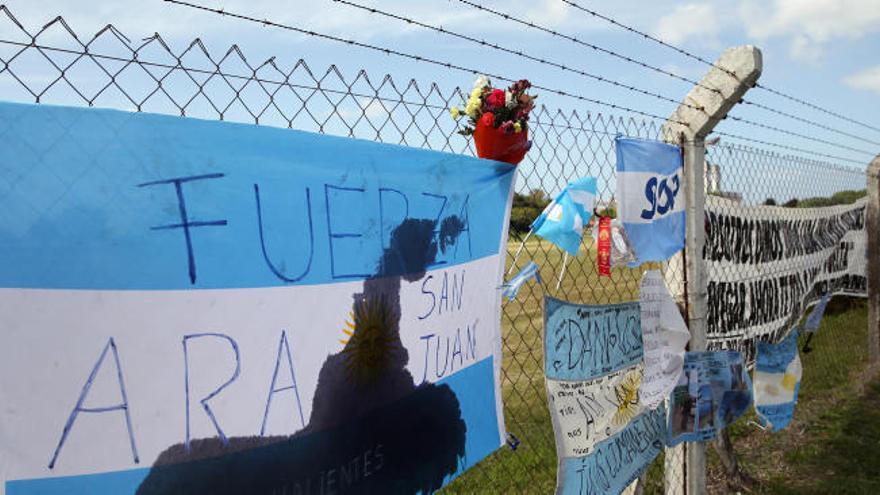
[822,51]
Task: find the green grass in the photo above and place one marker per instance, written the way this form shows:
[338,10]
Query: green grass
[840,349]
[836,412]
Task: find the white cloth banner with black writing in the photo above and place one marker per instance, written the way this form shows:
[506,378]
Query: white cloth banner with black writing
[767,264]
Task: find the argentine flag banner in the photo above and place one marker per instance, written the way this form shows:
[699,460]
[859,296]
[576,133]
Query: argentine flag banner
[562,221]
[777,381]
[650,195]
[194,307]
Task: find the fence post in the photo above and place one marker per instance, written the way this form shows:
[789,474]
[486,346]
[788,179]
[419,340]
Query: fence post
[736,71]
[872,230]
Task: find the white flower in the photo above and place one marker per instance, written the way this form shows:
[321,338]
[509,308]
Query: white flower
[509,101]
[481,82]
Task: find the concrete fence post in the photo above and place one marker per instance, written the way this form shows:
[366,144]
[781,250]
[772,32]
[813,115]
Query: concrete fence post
[872,228]
[735,72]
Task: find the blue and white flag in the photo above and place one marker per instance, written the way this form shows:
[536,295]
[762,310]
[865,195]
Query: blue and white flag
[511,288]
[594,365]
[195,307]
[815,318]
[650,195]
[563,221]
[777,381]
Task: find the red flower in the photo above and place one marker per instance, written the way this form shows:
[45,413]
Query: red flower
[488,119]
[496,98]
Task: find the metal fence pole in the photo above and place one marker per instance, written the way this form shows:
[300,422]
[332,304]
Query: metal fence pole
[735,72]
[872,229]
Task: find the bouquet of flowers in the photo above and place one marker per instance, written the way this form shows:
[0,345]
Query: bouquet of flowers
[498,119]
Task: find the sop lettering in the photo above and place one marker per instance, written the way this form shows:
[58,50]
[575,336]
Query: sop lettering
[660,196]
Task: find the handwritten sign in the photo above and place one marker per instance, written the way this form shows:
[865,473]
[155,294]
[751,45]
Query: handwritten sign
[605,437]
[766,265]
[204,307]
[665,336]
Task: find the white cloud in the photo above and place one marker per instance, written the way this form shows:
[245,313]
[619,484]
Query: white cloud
[809,24]
[868,79]
[688,21]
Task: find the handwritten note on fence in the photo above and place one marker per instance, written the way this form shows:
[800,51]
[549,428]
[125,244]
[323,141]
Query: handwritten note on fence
[665,336]
[593,360]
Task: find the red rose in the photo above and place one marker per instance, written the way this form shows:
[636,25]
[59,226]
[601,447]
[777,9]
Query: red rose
[488,119]
[496,98]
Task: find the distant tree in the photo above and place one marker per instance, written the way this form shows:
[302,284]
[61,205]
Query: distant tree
[525,209]
[848,197]
[791,203]
[769,202]
[838,198]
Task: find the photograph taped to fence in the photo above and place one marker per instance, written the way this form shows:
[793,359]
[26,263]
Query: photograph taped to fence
[206,307]
[714,390]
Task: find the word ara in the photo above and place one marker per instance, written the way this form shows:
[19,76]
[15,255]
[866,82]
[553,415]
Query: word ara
[282,380]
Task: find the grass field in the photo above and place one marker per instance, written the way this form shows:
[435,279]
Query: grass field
[833,444]
[829,384]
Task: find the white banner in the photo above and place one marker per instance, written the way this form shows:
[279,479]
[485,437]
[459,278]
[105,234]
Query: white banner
[767,264]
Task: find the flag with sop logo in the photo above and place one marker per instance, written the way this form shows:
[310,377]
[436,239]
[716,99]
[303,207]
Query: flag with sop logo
[650,193]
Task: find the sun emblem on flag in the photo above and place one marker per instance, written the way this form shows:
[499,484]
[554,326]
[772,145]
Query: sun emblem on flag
[368,349]
[348,330]
[626,394]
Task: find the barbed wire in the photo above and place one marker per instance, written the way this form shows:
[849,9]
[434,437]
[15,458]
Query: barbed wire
[816,107]
[700,59]
[519,53]
[807,121]
[787,147]
[587,44]
[647,36]
[410,56]
[573,39]
[797,134]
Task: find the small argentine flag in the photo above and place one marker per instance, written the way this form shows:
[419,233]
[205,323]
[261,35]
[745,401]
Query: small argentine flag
[815,318]
[778,374]
[563,221]
[511,288]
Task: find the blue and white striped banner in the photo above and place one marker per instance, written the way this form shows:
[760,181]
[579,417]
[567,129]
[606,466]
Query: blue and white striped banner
[204,307]
[650,196]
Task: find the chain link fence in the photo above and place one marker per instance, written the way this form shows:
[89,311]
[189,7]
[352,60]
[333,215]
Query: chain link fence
[835,358]
[53,65]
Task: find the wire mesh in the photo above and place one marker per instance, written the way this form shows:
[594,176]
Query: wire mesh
[835,358]
[53,65]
